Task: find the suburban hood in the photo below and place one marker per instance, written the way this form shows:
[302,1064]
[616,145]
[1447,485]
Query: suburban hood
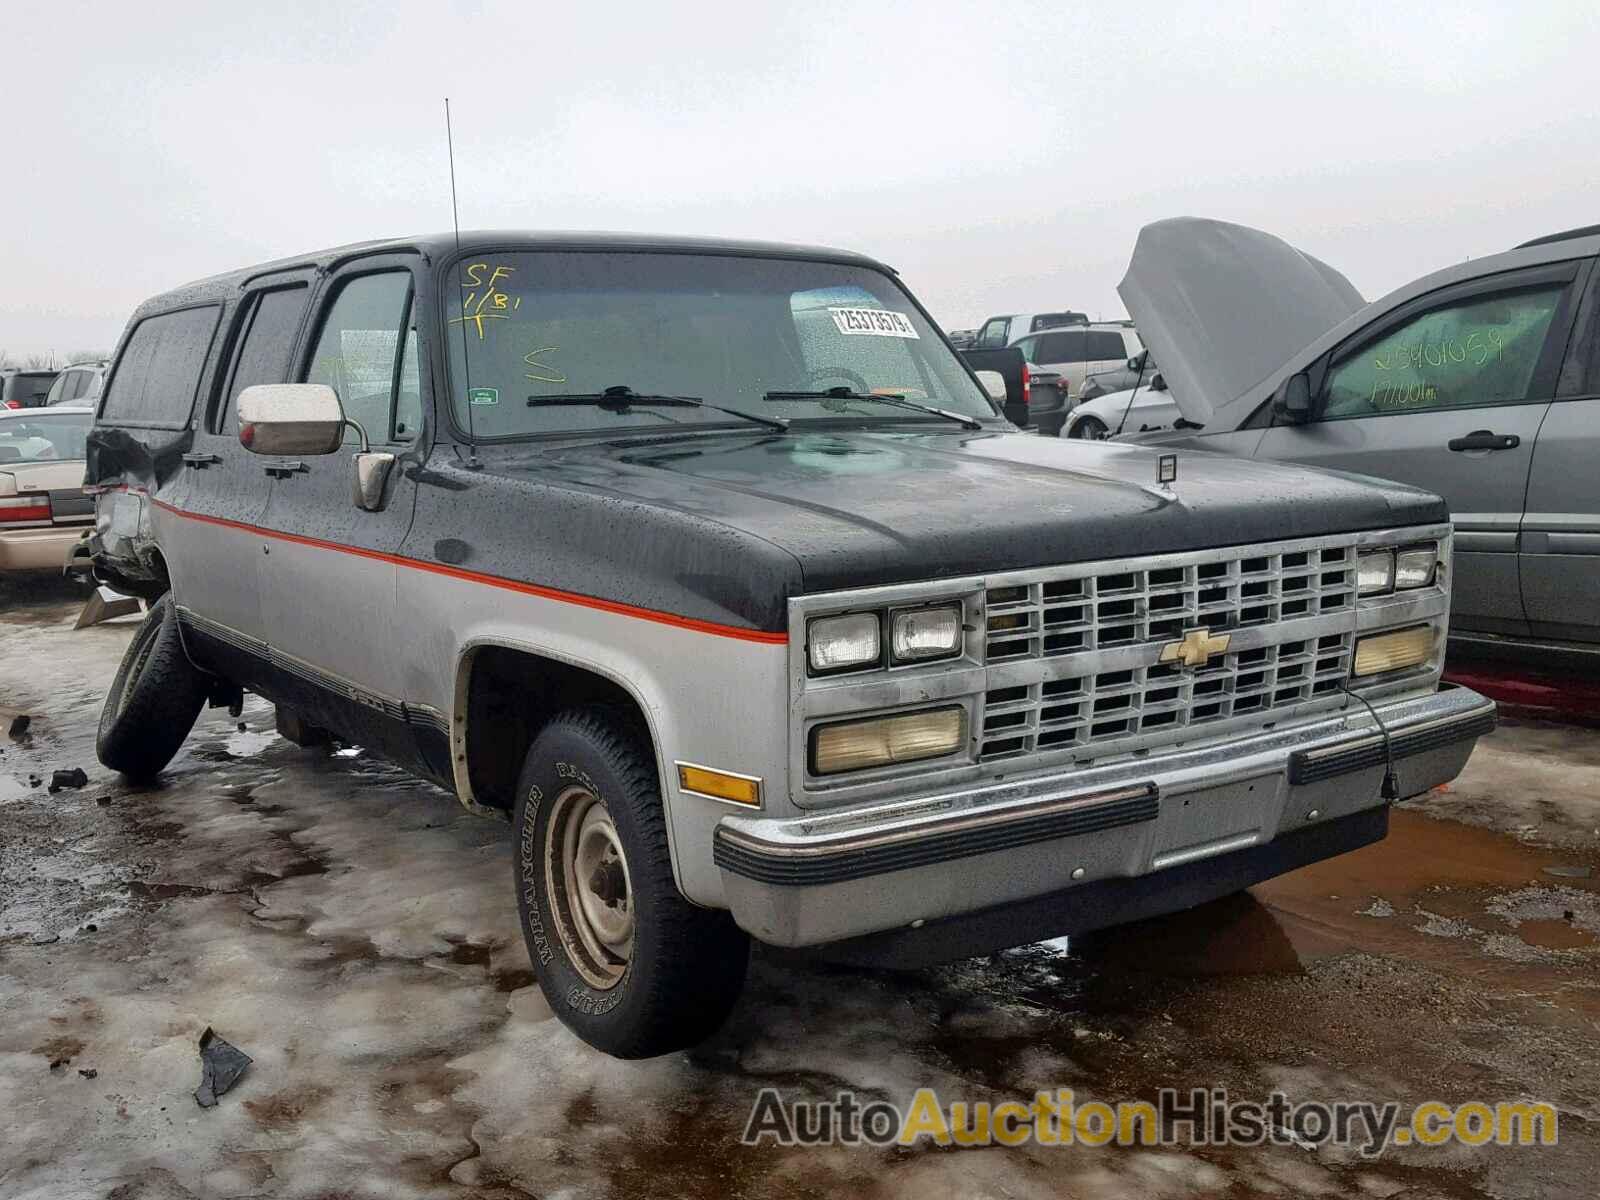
[855,509]
[1222,306]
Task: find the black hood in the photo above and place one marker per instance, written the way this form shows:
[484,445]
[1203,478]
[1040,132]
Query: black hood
[857,509]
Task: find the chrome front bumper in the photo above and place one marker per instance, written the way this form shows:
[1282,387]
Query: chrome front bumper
[817,879]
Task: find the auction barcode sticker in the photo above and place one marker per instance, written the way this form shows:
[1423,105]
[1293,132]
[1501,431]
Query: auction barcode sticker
[875,322]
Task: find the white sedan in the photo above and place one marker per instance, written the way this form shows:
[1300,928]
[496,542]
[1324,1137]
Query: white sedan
[1152,408]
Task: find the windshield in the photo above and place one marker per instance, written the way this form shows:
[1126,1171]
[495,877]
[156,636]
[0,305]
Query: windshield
[729,330]
[47,437]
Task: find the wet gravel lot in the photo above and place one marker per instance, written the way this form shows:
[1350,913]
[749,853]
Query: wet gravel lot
[353,930]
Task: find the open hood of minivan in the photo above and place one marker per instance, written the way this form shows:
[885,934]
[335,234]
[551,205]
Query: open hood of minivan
[1222,306]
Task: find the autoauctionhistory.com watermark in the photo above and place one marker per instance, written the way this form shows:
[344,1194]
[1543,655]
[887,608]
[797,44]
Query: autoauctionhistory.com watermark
[1188,1118]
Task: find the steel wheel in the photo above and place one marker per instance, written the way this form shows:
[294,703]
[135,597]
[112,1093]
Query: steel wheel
[586,874]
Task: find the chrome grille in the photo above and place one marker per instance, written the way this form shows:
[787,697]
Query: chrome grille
[1085,646]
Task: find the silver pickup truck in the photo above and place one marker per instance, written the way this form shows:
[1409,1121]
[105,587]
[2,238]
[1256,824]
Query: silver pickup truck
[713,569]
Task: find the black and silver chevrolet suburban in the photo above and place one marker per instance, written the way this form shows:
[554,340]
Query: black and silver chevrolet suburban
[702,563]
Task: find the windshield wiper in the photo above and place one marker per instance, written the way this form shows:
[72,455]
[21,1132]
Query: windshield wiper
[844,393]
[622,398]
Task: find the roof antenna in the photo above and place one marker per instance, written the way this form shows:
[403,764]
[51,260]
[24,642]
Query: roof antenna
[473,463]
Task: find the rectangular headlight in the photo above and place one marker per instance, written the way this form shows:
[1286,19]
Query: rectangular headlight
[838,643]
[1375,572]
[924,633]
[907,737]
[1393,651]
[1414,566]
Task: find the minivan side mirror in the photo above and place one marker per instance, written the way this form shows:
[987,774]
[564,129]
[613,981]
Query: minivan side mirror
[1292,404]
[290,418]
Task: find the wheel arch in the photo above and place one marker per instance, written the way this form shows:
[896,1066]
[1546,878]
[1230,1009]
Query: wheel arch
[491,670]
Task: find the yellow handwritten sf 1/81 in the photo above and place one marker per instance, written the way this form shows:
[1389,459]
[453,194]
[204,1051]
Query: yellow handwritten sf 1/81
[484,301]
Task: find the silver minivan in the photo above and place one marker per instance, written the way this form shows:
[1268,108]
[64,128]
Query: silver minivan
[1480,382]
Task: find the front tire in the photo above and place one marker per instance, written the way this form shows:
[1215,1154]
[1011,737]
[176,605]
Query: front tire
[624,960]
[1089,428]
[155,697]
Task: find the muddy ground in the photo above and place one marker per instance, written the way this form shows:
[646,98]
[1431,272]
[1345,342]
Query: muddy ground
[353,931]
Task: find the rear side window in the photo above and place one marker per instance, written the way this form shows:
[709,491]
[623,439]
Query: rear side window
[1481,351]
[1103,344]
[1061,347]
[1056,320]
[155,379]
[267,344]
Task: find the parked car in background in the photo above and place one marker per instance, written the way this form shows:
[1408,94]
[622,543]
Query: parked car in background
[1480,382]
[1145,409]
[43,508]
[962,339]
[744,608]
[1138,371]
[1001,331]
[1033,398]
[23,388]
[1075,354]
[78,383]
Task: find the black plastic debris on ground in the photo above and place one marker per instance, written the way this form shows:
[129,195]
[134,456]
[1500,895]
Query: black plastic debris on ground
[221,1064]
[75,778]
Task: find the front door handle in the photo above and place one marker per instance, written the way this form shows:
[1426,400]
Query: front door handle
[1483,439]
[285,469]
[200,461]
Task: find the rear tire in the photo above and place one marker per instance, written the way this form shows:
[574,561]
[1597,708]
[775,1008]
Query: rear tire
[155,697]
[624,960]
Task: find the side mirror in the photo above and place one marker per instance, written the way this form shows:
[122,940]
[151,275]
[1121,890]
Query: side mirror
[1136,363]
[1158,382]
[290,418]
[994,384]
[1292,404]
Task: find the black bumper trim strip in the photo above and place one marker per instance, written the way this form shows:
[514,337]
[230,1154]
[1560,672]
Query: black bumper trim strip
[1311,766]
[813,870]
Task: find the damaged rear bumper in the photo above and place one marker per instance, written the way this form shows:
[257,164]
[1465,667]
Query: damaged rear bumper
[985,857]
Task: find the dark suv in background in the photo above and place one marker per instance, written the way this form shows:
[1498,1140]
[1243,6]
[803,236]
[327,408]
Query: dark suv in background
[23,388]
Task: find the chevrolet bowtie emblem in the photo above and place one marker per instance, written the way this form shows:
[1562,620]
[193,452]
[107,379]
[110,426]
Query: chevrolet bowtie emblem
[1196,648]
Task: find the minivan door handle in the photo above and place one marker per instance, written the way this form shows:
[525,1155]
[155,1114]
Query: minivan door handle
[285,469]
[200,461]
[1483,439]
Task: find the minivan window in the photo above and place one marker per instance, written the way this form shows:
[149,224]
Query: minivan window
[528,329]
[358,346]
[155,379]
[266,345]
[1480,351]
[1061,347]
[1103,345]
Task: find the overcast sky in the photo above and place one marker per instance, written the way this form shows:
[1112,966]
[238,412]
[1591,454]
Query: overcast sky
[1003,157]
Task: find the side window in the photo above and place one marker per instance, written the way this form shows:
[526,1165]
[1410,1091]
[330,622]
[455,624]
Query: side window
[993,336]
[1062,347]
[265,346]
[1105,345]
[357,351]
[58,390]
[1031,348]
[77,384]
[155,380]
[1481,351]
